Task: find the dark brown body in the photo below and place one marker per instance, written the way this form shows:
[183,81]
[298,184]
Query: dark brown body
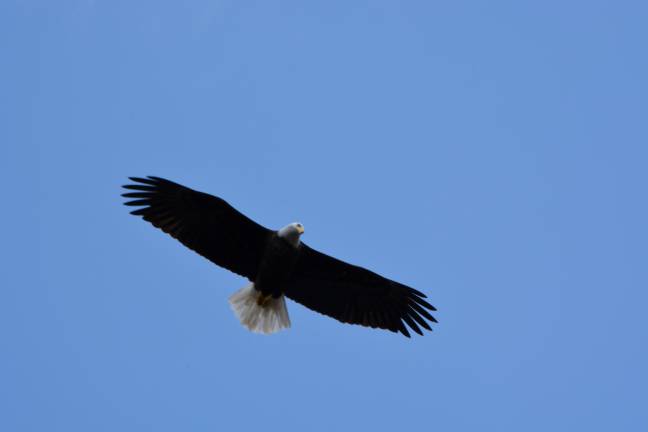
[276,266]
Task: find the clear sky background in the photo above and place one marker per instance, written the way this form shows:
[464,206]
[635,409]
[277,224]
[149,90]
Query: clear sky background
[491,154]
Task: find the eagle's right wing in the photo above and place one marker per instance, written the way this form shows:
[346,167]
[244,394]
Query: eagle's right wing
[202,222]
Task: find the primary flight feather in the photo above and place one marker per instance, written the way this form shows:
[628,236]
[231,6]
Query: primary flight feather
[277,264]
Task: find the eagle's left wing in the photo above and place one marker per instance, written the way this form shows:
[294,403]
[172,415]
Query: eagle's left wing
[355,295]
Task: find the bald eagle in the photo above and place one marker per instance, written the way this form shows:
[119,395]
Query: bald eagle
[276,263]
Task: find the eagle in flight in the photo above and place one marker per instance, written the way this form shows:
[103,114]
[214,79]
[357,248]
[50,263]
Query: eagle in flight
[276,263]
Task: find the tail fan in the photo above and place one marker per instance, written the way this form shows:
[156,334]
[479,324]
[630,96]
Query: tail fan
[266,318]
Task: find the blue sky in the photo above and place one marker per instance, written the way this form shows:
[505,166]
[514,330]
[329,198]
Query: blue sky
[491,154]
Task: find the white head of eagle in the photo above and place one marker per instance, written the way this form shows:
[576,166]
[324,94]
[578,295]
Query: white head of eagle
[291,233]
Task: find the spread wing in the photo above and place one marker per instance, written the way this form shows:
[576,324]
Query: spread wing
[355,295]
[202,222]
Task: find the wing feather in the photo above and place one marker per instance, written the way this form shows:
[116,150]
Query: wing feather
[355,295]
[202,222]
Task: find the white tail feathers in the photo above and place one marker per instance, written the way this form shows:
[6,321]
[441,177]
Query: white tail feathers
[268,318]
